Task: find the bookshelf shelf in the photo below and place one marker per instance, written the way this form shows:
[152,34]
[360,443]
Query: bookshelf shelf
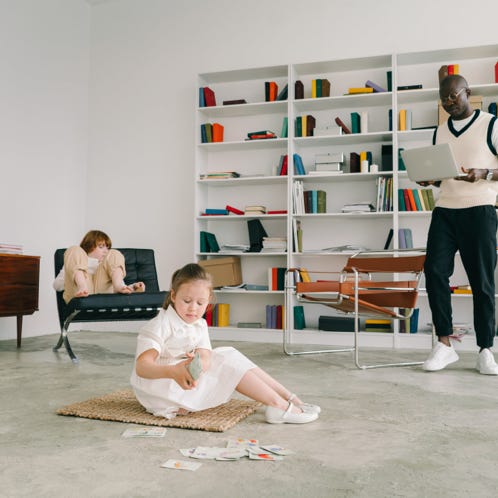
[257,163]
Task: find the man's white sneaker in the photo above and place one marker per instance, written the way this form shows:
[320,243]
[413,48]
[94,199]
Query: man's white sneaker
[486,364]
[440,357]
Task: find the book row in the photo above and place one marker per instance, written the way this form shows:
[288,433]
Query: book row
[413,199]
[218,315]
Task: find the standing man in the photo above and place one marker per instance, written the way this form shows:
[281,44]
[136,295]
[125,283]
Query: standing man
[464,220]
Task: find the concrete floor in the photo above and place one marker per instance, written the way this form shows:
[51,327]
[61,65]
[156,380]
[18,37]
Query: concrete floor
[383,433]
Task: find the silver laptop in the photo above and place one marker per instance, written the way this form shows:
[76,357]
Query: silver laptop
[435,162]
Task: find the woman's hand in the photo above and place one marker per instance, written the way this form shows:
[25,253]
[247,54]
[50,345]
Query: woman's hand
[473,174]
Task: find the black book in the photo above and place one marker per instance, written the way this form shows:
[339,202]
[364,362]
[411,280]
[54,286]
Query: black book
[256,235]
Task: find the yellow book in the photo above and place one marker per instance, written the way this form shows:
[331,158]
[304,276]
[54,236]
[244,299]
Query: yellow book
[402,120]
[422,200]
[223,315]
[456,68]
[305,276]
[363,155]
[304,121]
[313,89]
[462,291]
[352,91]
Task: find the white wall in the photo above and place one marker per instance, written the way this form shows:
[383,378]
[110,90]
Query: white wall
[44,57]
[144,57]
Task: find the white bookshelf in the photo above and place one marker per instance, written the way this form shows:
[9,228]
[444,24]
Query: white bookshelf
[256,161]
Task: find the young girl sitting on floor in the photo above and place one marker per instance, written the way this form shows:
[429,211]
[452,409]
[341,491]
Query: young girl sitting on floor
[167,344]
[93,268]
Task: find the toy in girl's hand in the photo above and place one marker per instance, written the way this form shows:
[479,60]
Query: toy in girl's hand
[195,367]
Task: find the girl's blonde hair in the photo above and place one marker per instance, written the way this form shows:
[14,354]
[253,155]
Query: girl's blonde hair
[189,273]
[93,238]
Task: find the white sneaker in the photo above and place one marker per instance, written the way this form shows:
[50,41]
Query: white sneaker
[486,364]
[440,357]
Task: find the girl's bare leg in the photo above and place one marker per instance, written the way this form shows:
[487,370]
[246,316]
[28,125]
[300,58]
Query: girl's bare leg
[254,387]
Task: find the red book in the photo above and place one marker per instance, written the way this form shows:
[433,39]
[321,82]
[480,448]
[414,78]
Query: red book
[279,317]
[277,211]
[234,210]
[408,205]
[451,69]
[209,97]
[345,129]
[285,166]
[208,316]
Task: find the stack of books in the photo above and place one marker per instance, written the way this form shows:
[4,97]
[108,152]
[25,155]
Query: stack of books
[329,163]
[410,325]
[359,90]
[11,248]
[261,135]
[254,210]
[412,199]
[377,325]
[315,201]
[207,97]
[211,132]
[358,207]
[219,175]
[384,194]
[274,316]
[276,278]
[218,315]
[274,244]
[320,88]
[305,125]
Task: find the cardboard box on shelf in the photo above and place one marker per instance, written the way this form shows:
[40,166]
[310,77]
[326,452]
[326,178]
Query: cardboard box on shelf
[475,102]
[224,271]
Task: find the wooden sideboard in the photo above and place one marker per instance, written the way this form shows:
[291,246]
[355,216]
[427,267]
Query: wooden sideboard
[19,283]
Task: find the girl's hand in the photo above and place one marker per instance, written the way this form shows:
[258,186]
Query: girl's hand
[182,375]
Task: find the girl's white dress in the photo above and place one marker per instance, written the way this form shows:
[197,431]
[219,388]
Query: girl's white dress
[171,337]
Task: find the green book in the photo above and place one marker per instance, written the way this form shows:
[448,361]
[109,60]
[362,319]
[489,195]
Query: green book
[430,197]
[321,201]
[355,123]
[299,126]
[285,128]
[299,321]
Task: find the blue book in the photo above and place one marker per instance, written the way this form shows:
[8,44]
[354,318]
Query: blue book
[376,88]
[215,211]
[202,102]
[314,201]
[298,165]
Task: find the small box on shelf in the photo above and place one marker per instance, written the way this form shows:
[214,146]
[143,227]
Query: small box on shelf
[224,271]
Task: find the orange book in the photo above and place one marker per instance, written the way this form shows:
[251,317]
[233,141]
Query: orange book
[274,279]
[218,132]
[413,205]
[273,91]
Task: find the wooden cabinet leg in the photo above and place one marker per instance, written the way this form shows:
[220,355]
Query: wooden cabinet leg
[19,330]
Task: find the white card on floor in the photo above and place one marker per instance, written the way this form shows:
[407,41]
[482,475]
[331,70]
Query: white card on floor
[240,442]
[145,432]
[181,465]
[265,456]
[277,449]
